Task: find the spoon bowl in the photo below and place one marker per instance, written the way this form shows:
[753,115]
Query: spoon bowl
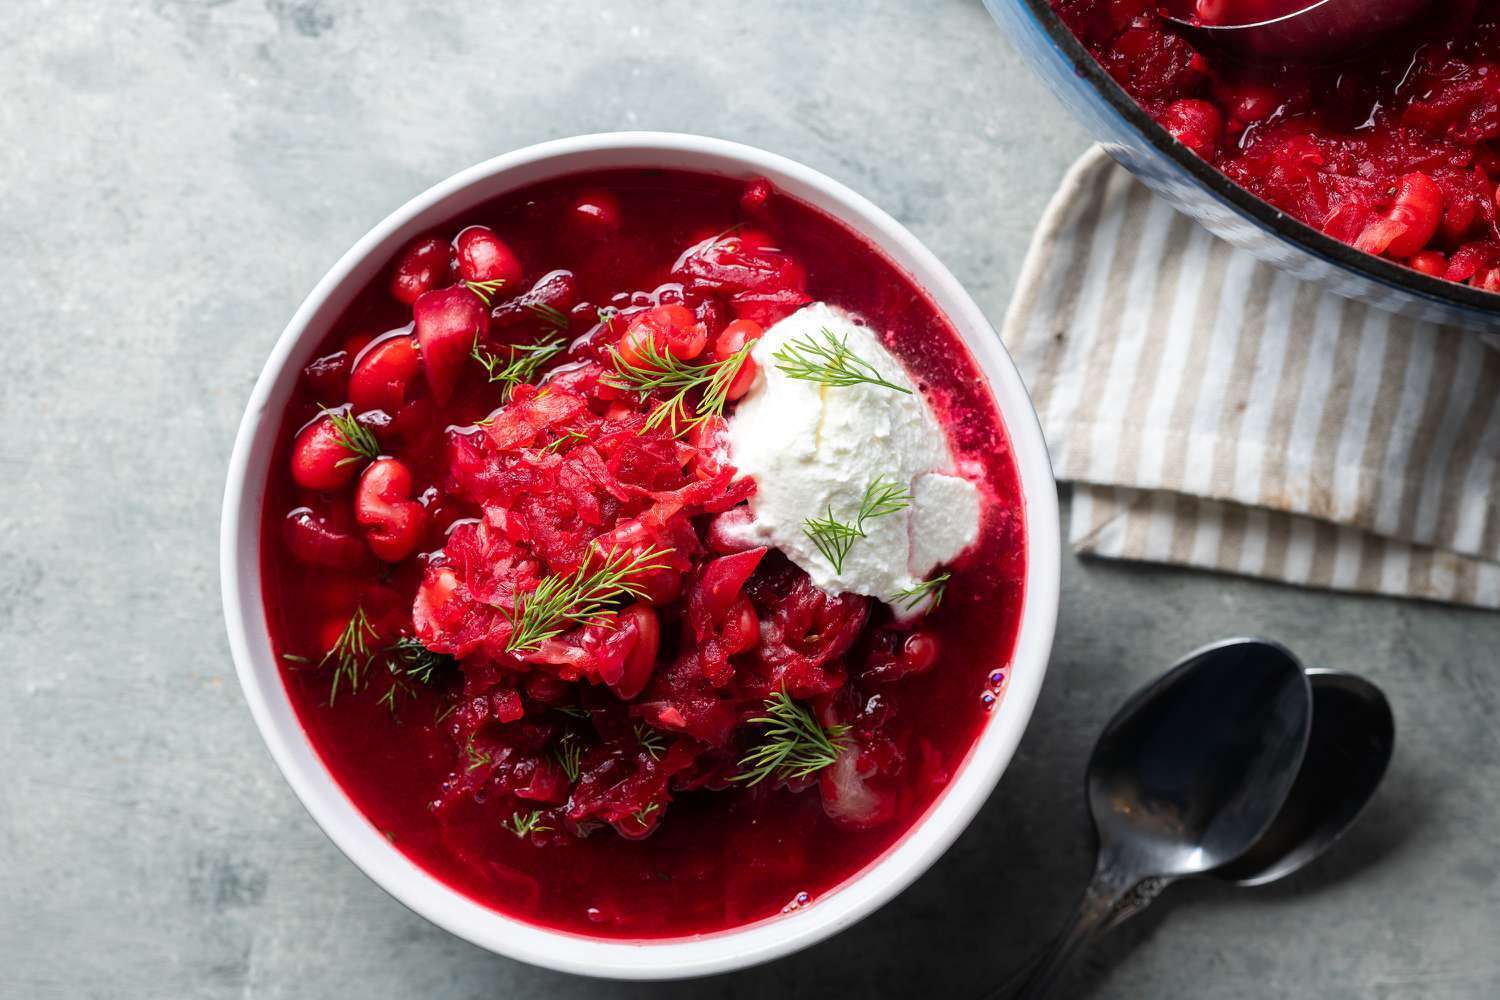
[1324,30]
[1352,740]
[1195,767]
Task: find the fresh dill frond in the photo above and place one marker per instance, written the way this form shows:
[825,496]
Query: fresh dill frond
[551,315]
[794,745]
[913,596]
[716,393]
[353,436]
[350,654]
[523,824]
[661,371]
[520,367]
[560,602]
[483,290]
[398,689]
[416,661]
[883,496]
[828,362]
[834,538]
[564,438]
[444,711]
[294,658]
[569,755]
[477,757]
[650,740]
[641,815]
[572,710]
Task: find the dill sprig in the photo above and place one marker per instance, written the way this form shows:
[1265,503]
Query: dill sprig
[834,537]
[794,745]
[564,438]
[829,362]
[483,290]
[650,740]
[352,436]
[882,497]
[660,371]
[574,711]
[350,654]
[913,596]
[569,755]
[641,815]
[551,315]
[560,602]
[477,757]
[521,367]
[398,689]
[522,824]
[416,661]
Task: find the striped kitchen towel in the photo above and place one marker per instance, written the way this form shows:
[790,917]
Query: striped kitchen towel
[1215,412]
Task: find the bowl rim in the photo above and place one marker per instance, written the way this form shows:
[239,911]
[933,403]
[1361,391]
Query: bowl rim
[1481,305]
[333,811]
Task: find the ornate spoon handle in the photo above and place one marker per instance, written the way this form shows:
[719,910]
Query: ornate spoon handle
[1133,902]
[1091,919]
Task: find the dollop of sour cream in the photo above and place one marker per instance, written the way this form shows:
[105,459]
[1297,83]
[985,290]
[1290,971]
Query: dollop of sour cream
[815,449]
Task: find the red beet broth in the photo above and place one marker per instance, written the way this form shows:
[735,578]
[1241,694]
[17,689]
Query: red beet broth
[716,859]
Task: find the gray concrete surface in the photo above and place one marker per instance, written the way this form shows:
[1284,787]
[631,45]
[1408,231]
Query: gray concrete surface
[175,175]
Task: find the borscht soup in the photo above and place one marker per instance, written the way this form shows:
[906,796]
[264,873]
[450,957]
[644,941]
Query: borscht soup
[643,553]
[1394,149]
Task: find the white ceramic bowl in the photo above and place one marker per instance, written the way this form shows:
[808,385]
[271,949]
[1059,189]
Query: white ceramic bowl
[245,616]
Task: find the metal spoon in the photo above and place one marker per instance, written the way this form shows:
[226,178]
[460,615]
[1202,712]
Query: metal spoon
[1353,736]
[1352,739]
[1186,778]
[1322,30]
